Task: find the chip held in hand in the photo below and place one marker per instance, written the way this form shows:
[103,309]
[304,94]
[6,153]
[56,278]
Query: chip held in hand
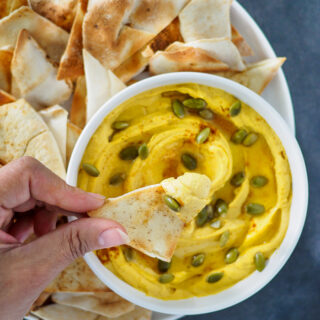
[153,226]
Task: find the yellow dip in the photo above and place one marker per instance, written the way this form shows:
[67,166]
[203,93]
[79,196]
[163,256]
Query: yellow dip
[152,121]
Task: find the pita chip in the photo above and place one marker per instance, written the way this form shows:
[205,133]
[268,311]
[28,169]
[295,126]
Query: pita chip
[73,133]
[5,73]
[114,30]
[79,103]
[56,119]
[139,61]
[24,133]
[153,228]
[101,84]
[222,49]
[211,55]
[240,43]
[71,64]
[205,19]
[134,65]
[137,314]
[77,277]
[106,304]
[43,297]
[3,9]
[184,59]
[60,312]
[214,23]
[34,75]
[7,6]
[167,36]
[60,12]
[257,75]
[49,36]
[5,97]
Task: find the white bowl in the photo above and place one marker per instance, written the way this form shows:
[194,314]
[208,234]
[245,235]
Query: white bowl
[257,280]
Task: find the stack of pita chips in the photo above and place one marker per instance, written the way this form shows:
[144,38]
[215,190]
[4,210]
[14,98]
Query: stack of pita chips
[211,44]
[60,61]
[78,294]
[89,50]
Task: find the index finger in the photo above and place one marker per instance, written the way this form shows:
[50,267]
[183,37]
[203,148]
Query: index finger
[27,178]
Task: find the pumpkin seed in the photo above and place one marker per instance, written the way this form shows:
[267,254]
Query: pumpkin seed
[195,103]
[198,259]
[178,109]
[120,125]
[202,217]
[259,261]
[189,161]
[172,203]
[210,212]
[129,153]
[203,135]
[250,139]
[166,278]
[206,114]
[224,238]
[255,209]
[110,138]
[231,256]
[238,179]
[175,95]
[128,253]
[214,277]
[90,169]
[143,151]
[220,207]
[235,109]
[239,136]
[163,266]
[259,181]
[117,179]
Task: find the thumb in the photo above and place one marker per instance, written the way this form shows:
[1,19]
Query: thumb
[85,235]
[29,268]
[51,253]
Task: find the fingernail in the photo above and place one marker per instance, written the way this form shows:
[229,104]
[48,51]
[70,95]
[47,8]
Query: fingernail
[97,196]
[113,237]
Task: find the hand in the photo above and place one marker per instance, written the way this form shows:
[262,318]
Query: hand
[31,196]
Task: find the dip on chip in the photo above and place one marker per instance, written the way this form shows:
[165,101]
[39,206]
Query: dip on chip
[154,216]
[168,131]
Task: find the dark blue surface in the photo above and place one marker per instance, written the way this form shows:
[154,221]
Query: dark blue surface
[293,29]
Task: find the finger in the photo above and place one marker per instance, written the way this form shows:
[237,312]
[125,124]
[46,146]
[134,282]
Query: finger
[27,178]
[63,212]
[6,238]
[44,221]
[55,250]
[23,228]
[6,216]
[26,206]
[34,265]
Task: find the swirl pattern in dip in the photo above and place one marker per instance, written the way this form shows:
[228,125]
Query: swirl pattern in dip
[251,186]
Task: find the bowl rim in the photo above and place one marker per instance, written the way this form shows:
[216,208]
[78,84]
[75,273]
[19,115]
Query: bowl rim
[255,281]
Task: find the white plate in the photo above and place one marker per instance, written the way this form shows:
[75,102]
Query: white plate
[277,92]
